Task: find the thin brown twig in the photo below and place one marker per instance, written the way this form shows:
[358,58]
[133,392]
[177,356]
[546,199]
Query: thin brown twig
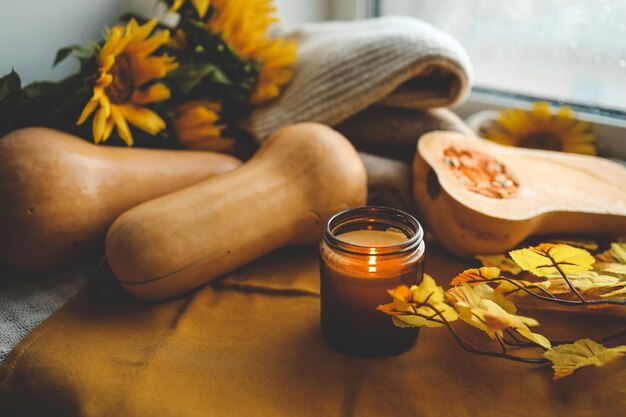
[552,298]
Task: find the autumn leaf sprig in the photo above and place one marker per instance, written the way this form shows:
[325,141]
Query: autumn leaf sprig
[482,298]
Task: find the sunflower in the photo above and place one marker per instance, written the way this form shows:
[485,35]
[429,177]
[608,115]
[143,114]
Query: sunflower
[201,6]
[243,25]
[196,129]
[125,66]
[539,128]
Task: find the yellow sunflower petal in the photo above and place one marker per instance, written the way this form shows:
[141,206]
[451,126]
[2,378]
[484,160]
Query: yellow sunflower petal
[580,127]
[105,79]
[154,93]
[126,51]
[582,138]
[197,116]
[114,38]
[108,128]
[243,25]
[539,128]
[89,108]
[99,124]
[566,112]
[145,48]
[200,133]
[117,49]
[140,32]
[143,118]
[193,106]
[105,105]
[500,137]
[122,127]
[106,62]
[152,67]
[582,148]
[541,112]
[514,121]
[176,5]
[201,6]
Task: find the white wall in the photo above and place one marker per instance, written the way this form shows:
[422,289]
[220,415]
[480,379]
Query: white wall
[300,11]
[31,31]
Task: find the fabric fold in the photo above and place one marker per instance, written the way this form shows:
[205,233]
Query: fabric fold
[225,352]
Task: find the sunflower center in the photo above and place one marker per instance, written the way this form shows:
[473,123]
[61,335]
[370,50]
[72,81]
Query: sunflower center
[542,140]
[123,85]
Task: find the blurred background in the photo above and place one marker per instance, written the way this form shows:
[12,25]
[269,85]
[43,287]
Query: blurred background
[570,51]
[565,50]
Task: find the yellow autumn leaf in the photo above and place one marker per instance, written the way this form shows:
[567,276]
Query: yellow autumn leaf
[617,253]
[568,358]
[536,338]
[476,275]
[487,310]
[613,268]
[509,287]
[543,259]
[582,281]
[503,262]
[613,260]
[420,305]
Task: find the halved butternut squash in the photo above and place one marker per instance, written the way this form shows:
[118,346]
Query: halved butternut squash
[477,197]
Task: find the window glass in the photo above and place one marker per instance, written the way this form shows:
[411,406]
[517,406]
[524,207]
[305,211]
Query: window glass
[568,50]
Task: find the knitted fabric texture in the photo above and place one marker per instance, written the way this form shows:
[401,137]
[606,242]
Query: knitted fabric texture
[344,67]
[26,301]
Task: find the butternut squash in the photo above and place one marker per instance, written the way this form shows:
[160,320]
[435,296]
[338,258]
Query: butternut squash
[60,194]
[477,197]
[284,195]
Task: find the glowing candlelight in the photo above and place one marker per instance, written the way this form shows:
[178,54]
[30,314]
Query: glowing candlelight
[365,252]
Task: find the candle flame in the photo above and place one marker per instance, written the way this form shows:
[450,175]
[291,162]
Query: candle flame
[372,260]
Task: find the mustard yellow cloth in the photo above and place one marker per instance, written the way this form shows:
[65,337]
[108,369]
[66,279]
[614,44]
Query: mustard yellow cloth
[251,346]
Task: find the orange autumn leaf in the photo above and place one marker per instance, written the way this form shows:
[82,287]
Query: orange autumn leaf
[568,358]
[476,275]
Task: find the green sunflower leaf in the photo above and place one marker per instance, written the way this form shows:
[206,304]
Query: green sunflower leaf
[11,98]
[39,88]
[188,77]
[63,53]
[10,86]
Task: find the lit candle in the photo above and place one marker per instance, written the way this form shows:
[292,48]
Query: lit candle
[366,252]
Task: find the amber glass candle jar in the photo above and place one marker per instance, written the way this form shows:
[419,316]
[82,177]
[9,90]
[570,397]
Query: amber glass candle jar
[365,252]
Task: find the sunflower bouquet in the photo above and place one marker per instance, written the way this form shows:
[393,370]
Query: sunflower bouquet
[153,85]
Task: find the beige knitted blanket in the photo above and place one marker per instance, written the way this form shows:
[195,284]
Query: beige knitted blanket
[344,67]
